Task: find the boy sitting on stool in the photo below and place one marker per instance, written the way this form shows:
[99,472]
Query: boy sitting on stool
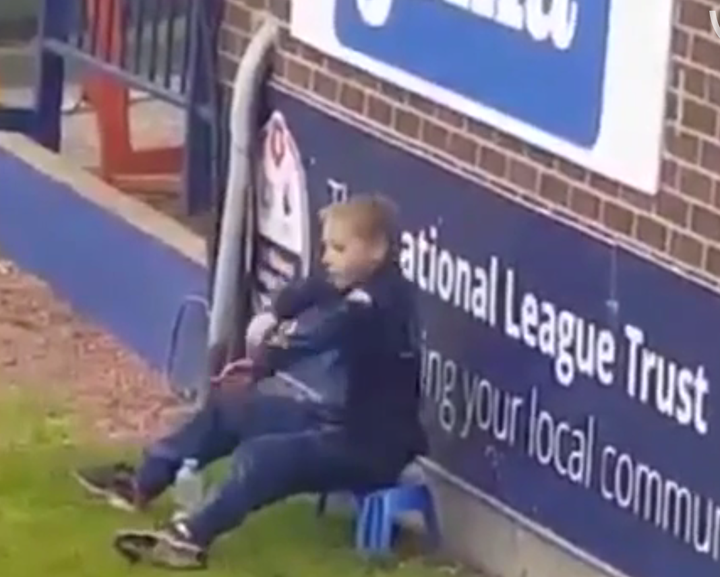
[282,446]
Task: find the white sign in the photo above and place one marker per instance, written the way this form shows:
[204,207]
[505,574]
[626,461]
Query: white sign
[585,80]
[283,246]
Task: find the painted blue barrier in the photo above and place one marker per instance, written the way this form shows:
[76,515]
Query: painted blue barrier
[567,380]
[127,281]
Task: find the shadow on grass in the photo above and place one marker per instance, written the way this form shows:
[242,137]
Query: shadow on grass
[49,527]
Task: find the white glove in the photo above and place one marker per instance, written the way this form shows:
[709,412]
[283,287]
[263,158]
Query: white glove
[258,330]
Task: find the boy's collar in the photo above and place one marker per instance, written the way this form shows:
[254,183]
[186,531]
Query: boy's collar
[387,265]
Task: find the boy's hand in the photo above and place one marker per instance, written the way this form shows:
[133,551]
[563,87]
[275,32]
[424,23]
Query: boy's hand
[279,336]
[235,375]
[260,327]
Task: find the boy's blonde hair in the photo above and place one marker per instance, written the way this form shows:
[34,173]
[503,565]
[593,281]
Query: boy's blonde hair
[372,217]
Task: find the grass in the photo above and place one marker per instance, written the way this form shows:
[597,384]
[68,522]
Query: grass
[49,527]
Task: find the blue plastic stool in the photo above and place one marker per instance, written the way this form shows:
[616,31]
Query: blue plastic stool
[378,511]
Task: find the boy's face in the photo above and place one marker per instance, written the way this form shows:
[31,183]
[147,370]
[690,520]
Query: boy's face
[348,258]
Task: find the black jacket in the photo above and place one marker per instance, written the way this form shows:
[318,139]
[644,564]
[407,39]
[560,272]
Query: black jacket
[374,327]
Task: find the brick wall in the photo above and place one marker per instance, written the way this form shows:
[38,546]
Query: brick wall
[680,224]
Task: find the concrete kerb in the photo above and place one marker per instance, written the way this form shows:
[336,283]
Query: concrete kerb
[138,214]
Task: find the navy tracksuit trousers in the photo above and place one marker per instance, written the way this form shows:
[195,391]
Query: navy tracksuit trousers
[280,447]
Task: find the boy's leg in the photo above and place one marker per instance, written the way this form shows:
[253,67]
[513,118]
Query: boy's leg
[203,436]
[211,433]
[265,470]
[215,435]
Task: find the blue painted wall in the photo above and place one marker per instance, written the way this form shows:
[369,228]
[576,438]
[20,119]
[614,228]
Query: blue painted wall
[567,379]
[122,278]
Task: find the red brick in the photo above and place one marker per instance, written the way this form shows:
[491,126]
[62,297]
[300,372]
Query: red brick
[288,44]
[710,156]
[523,174]
[407,123]
[512,144]
[238,17]
[695,184]
[325,85]
[672,106]
[682,144]
[706,52]
[674,76]
[298,73]
[604,185]
[352,98]
[434,134]
[669,173]
[695,81]
[392,92]
[694,14]
[227,41]
[312,56]
[712,261]
[555,189]
[618,218]
[482,131]
[281,9]
[705,222]
[449,117]
[651,231]
[379,110]
[256,5]
[680,43]
[541,156]
[227,66]
[637,199]
[492,160]
[686,249]
[585,203]
[421,105]
[714,90]
[672,207]
[699,117]
[574,172]
[463,148]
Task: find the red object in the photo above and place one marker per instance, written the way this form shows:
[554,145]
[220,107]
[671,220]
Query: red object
[120,162]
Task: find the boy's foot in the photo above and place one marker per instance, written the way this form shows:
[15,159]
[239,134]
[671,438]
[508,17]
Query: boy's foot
[170,548]
[114,483]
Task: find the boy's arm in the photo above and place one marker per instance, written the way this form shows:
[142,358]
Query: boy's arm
[349,320]
[301,295]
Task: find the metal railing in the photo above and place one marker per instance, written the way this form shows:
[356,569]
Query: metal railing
[167,48]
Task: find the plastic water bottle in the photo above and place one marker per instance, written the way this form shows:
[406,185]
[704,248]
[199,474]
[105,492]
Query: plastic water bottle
[188,491]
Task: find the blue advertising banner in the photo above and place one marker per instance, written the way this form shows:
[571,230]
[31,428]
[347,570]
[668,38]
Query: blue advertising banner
[570,76]
[536,90]
[566,379]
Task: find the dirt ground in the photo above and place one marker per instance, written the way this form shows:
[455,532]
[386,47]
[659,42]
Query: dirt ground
[44,345]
